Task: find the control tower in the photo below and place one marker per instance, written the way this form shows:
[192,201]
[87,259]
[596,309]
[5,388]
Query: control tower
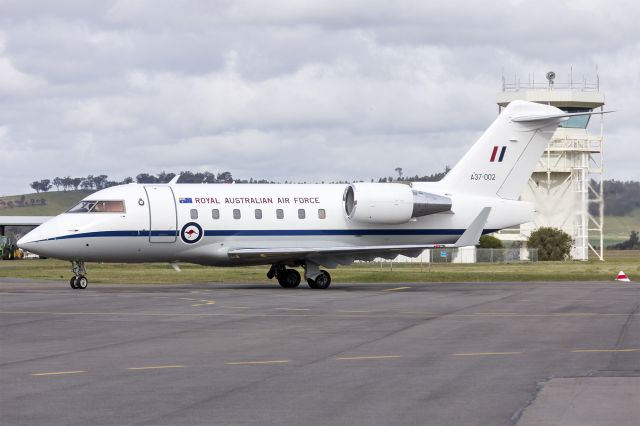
[567,183]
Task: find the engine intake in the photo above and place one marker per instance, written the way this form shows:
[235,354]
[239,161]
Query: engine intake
[390,203]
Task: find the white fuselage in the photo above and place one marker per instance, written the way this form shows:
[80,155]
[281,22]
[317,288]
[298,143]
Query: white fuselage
[154,226]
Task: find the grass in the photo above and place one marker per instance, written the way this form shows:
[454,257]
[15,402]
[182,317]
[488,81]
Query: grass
[49,269]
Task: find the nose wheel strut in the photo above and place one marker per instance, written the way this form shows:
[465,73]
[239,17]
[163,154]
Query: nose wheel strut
[79,280]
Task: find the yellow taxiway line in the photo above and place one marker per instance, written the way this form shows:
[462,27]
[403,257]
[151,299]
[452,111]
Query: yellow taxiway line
[486,353]
[59,373]
[358,358]
[277,361]
[291,309]
[155,367]
[606,350]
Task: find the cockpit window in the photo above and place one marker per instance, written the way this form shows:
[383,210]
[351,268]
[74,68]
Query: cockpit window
[108,207]
[98,207]
[82,207]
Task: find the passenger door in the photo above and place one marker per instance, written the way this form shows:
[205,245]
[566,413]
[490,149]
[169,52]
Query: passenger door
[163,220]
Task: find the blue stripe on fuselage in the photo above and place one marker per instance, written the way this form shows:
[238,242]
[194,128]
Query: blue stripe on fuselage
[272,233]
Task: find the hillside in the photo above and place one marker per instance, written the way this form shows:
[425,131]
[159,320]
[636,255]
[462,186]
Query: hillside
[618,228]
[42,204]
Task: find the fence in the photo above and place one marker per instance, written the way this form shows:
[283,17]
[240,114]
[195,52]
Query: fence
[469,255]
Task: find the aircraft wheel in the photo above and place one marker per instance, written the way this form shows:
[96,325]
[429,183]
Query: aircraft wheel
[321,282]
[72,282]
[289,279]
[82,282]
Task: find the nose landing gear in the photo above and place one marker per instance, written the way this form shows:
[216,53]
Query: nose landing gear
[79,280]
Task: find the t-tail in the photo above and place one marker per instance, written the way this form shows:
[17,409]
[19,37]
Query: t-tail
[501,161]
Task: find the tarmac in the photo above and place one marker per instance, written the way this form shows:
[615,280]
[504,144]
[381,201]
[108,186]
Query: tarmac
[539,353]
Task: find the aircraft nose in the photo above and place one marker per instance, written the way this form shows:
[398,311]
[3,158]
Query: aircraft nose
[27,242]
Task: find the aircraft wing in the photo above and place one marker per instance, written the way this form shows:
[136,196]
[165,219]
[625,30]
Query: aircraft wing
[347,254]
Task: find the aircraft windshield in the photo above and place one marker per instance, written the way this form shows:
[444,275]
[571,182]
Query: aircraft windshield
[87,206]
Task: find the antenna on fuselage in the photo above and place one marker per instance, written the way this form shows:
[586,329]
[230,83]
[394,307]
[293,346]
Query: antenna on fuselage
[175,179]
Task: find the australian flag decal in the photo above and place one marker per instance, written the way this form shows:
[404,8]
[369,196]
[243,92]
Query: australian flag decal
[185,200]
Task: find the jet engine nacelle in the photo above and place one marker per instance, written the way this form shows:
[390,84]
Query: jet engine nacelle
[390,203]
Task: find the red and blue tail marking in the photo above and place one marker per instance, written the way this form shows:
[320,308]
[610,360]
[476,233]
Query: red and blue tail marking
[495,152]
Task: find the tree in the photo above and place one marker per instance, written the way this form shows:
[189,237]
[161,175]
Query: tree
[100,181]
[87,183]
[399,171]
[631,244]
[75,182]
[489,241]
[551,243]
[45,185]
[57,182]
[35,185]
[66,182]
[164,177]
[225,177]
[146,178]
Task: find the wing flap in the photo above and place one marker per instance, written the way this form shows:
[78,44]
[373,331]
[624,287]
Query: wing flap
[470,237]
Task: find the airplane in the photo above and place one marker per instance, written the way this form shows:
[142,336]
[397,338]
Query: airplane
[309,226]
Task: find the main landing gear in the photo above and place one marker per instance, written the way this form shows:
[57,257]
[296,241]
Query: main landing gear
[290,278]
[79,280]
[287,278]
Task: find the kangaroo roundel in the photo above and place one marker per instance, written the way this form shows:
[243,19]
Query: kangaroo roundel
[191,233]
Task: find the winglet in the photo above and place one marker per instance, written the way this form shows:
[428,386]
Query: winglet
[175,179]
[472,235]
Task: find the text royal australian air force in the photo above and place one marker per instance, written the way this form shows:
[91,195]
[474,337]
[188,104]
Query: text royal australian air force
[249,200]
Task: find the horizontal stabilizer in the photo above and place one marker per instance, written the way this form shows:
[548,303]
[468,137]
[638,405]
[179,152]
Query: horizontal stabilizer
[541,117]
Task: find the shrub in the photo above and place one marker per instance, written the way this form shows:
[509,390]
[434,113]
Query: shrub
[489,241]
[552,243]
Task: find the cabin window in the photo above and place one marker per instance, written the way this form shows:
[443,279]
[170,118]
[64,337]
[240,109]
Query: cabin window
[301,214]
[258,213]
[98,207]
[322,214]
[236,213]
[194,214]
[215,214]
[279,213]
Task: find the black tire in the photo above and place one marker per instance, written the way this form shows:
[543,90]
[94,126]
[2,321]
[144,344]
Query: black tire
[72,282]
[321,282]
[82,282]
[289,279]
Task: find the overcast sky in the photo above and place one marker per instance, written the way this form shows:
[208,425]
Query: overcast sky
[288,89]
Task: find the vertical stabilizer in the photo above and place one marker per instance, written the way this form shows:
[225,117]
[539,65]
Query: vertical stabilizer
[501,161]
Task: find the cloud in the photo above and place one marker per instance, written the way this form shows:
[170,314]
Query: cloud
[13,80]
[298,91]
